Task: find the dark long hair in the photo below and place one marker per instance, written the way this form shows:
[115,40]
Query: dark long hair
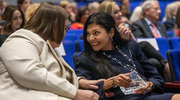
[8,16]
[107,22]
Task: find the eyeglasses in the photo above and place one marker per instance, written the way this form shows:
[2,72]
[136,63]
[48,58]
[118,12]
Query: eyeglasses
[156,8]
[3,23]
[67,28]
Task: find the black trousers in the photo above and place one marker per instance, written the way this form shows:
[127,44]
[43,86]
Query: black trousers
[153,56]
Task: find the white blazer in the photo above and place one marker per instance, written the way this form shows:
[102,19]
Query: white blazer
[30,69]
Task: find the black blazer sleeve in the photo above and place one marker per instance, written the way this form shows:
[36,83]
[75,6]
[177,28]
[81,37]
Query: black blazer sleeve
[87,69]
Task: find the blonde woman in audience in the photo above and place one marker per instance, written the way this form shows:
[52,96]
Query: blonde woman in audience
[30,10]
[14,18]
[113,9]
[170,16]
[31,67]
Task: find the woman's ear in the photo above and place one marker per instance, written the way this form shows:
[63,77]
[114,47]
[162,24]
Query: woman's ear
[111,32]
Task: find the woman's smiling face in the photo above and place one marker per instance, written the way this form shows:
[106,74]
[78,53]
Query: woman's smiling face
[98,38]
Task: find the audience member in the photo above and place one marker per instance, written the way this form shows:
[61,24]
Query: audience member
[170,16]
[4,6]
[108,56]
[74,7]
[153,55]
[113,9]
[167,13]
[31,67]
[23,5]
[14,18]
[137,14]
[178,18]
[93,7]
[125,8]
[1,6]
[2,25]
[66,5]
[148,26]
[30,10]
[83,14]
[2,37]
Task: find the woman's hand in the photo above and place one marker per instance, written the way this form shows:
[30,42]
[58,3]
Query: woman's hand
[122,80]
[86,95]
[144,90]
[89,84]
[126,33]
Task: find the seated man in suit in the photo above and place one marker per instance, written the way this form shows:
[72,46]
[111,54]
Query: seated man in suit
[148,27]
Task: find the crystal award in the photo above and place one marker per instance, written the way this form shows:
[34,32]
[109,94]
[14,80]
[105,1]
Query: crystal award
[137,81]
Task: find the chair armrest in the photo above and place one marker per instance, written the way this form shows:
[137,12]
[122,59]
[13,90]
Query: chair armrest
[175,84]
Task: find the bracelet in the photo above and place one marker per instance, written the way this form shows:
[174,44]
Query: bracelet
[113,83]
[81,78]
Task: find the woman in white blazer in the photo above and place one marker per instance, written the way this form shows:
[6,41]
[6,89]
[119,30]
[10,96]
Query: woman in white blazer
[31,68]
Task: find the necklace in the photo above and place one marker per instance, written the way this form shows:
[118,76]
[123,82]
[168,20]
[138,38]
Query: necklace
[126,66]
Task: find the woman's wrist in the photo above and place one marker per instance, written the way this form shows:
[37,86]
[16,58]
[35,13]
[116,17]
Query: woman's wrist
[109,83]
[113,83]
[151,86]
[80,81]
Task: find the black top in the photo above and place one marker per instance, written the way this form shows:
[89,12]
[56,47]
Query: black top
[3,38]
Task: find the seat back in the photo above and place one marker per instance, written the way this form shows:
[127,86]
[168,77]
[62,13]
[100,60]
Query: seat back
[173,56]
[174,42]
[71,37]
[169,33]
[160,44]
[69,50]
[76,54]
[163,46]
[77,32]
[79,45]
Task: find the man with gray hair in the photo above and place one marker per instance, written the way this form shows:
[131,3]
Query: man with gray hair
[148,27]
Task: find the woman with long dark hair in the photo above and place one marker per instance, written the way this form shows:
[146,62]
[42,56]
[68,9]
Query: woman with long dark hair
[110,57]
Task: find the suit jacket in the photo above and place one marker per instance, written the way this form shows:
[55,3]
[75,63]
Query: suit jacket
[169,24]
[30,69]
[88,68]
[141,29]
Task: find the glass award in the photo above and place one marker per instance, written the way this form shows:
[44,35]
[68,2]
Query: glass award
[137,81]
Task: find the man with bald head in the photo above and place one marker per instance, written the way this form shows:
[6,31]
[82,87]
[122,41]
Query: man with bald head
[148,27]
